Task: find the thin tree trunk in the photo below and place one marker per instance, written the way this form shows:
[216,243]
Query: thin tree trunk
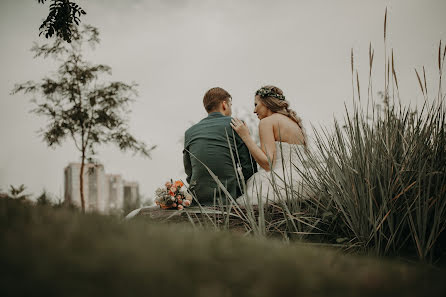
[81,179]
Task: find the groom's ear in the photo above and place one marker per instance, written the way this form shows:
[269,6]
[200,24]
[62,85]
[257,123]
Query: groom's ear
[224,105]
[227,103]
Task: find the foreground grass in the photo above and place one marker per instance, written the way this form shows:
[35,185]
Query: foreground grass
[57,252]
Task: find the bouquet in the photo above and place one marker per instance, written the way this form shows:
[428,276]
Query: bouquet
[173,196]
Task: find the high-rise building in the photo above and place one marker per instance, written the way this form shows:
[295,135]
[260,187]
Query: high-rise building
[131,196]
[94,183]
[104,193]
[115,191]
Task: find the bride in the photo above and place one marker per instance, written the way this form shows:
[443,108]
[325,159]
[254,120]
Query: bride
[281,137]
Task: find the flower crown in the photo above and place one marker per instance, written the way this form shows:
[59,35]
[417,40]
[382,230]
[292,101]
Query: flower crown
[265,92]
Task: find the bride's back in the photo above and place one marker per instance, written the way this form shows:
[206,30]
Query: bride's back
[286,130]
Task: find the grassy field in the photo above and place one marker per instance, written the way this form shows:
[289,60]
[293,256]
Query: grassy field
[59,252]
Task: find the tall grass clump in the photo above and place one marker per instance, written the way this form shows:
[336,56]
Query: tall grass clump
[375,182]
[380,176]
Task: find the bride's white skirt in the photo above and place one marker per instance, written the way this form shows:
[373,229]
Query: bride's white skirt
[272,187]
[282,183]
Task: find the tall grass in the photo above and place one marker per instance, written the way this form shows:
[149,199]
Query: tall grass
[384,182]
[382,174]
[375,182]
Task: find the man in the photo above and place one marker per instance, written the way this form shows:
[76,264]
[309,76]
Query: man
[207,143]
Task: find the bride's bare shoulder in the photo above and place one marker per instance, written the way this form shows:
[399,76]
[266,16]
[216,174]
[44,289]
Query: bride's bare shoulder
[272,121]
[277,118]
[268,121]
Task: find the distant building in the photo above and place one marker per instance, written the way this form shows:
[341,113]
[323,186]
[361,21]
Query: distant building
[94,186]
[131,196]
[104,193]
[115,186]
[97,184]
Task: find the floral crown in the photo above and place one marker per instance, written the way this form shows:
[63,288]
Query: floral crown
[266,92]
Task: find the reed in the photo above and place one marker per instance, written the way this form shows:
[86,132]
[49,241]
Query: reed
[384,180]
[375,182]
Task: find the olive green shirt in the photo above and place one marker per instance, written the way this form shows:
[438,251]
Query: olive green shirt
[207,142]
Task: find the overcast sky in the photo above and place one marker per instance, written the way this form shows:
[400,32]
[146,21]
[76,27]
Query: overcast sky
[177,49]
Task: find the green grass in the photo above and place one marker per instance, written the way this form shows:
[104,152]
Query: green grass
[376,178]
[59,252]
[377,183]
[381,175]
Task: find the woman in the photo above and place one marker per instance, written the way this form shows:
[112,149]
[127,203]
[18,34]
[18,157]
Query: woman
[281,136]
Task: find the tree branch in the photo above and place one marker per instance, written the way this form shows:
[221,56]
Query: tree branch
[62,17]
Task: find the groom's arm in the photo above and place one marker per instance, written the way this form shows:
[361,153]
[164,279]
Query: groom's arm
[186,158]
[187,165]
[247,162]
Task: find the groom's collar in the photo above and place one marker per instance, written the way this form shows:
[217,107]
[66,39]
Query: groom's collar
[215,114]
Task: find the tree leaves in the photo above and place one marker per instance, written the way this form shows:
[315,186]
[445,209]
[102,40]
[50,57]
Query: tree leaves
[18,192]
[80,105]
[62,17]
[55,134]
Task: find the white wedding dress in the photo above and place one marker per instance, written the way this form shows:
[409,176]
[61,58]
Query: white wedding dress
[282,182]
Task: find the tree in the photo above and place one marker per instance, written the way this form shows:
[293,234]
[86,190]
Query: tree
[61,18]
[44,198]
[80,106]
[18,192]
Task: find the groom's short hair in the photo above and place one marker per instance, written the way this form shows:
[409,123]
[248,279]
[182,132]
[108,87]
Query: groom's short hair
[214,97]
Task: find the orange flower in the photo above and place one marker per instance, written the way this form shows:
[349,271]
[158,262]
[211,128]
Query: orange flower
[179,183]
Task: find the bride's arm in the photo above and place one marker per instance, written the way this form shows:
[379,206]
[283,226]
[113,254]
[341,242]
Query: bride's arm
[267,143]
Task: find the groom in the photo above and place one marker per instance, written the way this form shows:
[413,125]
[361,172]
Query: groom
[207,142]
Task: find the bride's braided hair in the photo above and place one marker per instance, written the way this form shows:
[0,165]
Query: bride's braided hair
[272,97]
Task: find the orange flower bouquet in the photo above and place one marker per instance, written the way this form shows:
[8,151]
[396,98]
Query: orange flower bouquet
[173,195]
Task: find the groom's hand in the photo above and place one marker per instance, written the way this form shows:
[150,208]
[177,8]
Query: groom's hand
[240,127]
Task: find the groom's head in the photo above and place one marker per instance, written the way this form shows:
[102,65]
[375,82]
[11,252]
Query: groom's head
[218,100]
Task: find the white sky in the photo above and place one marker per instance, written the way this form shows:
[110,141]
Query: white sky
[176,50]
